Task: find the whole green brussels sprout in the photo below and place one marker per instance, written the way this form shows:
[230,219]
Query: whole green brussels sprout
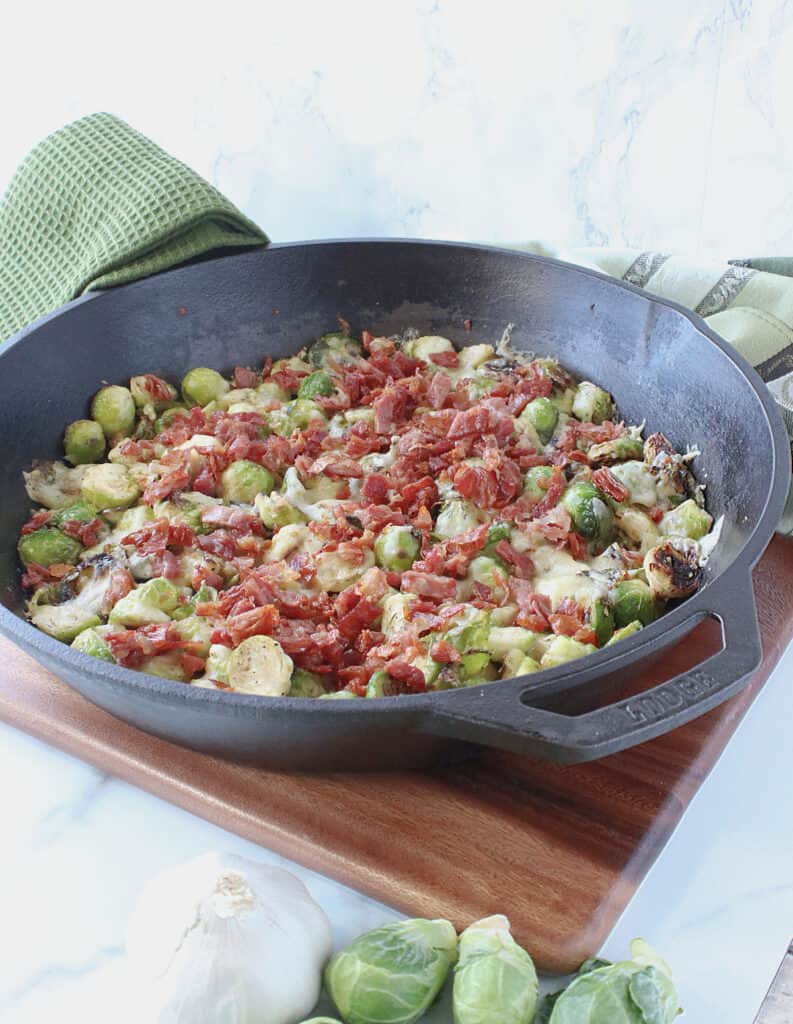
[201,386]
[397,548]
[635,991]
[79,511]
[48,546]
[83,442]
[317,383]
[543,415]
[634,600]
[494,979]
[336,346]
[243,480]
[392,975]
[591,403]
[113,408]
[592,517]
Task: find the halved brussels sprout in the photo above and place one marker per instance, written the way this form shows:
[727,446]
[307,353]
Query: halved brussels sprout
[516,663]
[201,386]
[532,489]
[601,619]
[305,684]
[90,642]
[168,416]
[109,485]
[621,449]
[563,649]
[152,601]
[84,442]
[54,484]
[503,639]
[63,621]
[393,974]
[426,346]
[196,628]
[591,403]
[455,517]
[261,666]
[113,408]
[673,569]
[275,510]
[295,415]
[494,979]
[150,390]
[474,356]
[243,480]
[48,546]
[335,573]
[687,520]
[217,664]
[625,631]
[79,511]
[397,547]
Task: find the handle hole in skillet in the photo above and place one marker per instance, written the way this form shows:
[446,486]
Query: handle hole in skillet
[703,641]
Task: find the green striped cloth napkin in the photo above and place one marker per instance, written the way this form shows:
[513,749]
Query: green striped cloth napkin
[748,302]
[98,204]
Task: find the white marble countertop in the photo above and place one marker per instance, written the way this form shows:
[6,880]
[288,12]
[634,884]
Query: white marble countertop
[78,845]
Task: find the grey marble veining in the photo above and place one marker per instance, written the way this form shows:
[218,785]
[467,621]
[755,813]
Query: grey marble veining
[621,123]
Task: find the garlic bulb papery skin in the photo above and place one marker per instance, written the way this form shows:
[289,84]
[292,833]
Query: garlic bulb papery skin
[226,940]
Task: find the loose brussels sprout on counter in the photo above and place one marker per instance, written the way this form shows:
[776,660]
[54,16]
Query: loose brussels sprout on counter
[202,386]
[592,404]
[243,480]
[113,408]
[494,979]
[84,442]
[397,547]
[393,974]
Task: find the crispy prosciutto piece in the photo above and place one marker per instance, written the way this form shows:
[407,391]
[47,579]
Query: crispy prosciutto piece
[427,584]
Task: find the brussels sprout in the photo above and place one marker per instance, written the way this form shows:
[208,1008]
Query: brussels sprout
[591,403]
[625,631]
[305,684]
[532,488]
[633,599]
[335,573]
[543,415]
[563,649]
[275,511]
[217,665]
[90,642]
[426,346]
[153,601]
[268,392]
[295,415]
[380,684]
[563,399]
[474,356]
[335,346]
[590,512]
[638,527]
[656,447]
[503,639]
[166,666]
[53,484]
[202,386]
[673,568]
[260,665]
[48,546]
[619,450]
[499,531]
[393,619]
[243,480]
[393,974]
[475,668]
[113,408]
[494,979]
[195,628]
[168,416]
[339,695]
[635,991]
[687,520]
[149,390]
[79,511]
[83,442]
[469,631]
[601,619]
[516,663]
[397,548]
[63,621]
[317,383]
[455,517]
[109,485]
[133,519]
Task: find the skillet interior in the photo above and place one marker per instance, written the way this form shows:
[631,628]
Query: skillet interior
[651,355]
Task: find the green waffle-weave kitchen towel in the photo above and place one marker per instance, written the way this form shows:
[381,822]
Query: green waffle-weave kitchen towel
[97,204]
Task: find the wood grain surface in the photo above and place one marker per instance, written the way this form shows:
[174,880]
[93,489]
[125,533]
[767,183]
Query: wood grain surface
[561,849]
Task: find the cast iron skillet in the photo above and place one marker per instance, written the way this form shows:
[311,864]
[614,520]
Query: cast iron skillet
[662,364]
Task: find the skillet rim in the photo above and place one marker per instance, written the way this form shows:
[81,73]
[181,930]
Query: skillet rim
[701,605]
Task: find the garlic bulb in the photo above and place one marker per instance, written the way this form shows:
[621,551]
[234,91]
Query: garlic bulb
[228,940]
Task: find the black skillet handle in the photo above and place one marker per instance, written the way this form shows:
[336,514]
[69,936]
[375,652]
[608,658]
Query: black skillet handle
[482,715]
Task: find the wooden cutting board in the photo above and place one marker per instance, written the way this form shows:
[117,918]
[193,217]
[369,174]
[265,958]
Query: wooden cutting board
[561,849]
